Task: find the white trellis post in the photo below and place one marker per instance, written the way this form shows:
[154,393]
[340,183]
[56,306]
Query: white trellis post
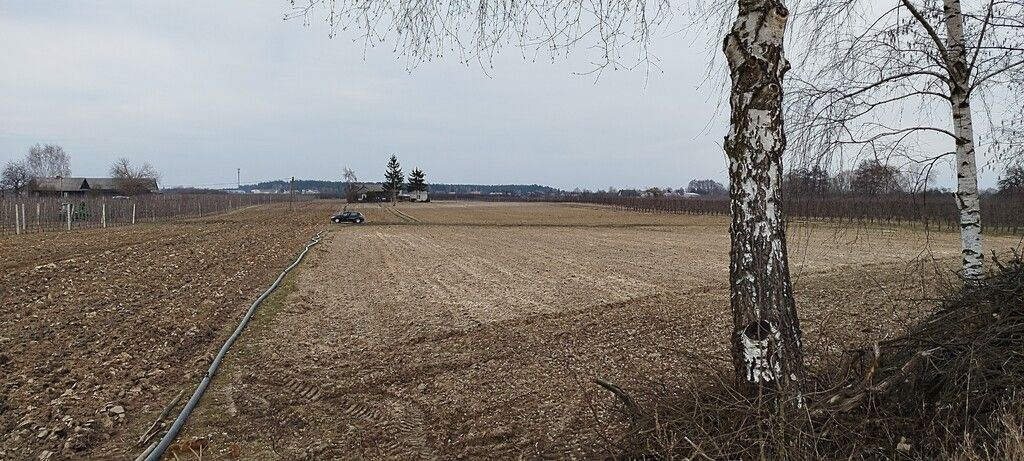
[39,213]
[17,225]
[69,215]
[133,213]
[103,214]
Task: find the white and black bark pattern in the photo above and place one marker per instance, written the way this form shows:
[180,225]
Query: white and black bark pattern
[766,335]
[967,199]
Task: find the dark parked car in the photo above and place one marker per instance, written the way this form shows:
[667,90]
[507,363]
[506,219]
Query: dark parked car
[348,216]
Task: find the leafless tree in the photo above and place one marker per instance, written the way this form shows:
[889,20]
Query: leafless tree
[889,81]
[351,184]
[48,161]
[1011,182]
[15,176]
[766,339]
[131,179]
[619,31]
[706,187]
[650,192]
[873,177]
[806,182]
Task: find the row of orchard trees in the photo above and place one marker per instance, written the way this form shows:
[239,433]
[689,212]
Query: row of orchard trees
[860,64]
[1003,210]
[872,193]
[22,215]
[870,178]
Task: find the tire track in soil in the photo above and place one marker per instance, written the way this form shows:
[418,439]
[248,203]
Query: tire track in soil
[406,216]
[386,255]
[302,389]
[403,418]
[400,215]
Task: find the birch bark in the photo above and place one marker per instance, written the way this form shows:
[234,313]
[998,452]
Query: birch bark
[968,201]
[766,330]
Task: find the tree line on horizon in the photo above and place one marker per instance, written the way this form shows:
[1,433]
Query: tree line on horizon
[870,178]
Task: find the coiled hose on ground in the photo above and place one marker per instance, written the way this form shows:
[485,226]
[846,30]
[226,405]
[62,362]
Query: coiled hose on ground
[156,451]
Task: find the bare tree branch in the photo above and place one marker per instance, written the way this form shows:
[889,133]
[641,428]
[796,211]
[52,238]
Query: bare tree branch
[939,45]
[477,29]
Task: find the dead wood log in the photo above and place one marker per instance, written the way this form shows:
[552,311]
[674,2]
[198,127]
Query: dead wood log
[850,398]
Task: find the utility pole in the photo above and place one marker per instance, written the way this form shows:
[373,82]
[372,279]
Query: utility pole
[239,179]
[291,194]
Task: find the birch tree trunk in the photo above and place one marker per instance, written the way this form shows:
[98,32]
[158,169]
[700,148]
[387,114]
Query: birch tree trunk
[766,331]
[967,199]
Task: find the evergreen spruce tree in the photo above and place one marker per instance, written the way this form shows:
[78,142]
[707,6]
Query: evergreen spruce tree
[393,179]
[417,181]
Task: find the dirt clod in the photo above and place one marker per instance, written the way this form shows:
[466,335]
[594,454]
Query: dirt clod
[98,316]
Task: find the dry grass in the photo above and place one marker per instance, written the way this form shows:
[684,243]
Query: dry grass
[949,388]
[1003,437]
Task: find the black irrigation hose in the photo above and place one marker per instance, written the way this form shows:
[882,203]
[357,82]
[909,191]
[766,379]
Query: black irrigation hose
[172,433]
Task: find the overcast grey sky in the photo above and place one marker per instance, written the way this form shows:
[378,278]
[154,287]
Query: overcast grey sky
[202,88]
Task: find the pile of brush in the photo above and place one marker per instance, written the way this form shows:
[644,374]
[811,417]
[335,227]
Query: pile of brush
[941,383]
[947,389]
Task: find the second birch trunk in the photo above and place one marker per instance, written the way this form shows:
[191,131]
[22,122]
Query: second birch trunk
[968,201]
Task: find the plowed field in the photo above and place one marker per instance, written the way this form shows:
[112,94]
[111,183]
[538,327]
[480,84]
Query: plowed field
[99,329]
[472,330]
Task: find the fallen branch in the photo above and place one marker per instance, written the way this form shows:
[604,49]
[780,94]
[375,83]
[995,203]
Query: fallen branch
[146,453]
[852,400]
[159,423]
[635,413]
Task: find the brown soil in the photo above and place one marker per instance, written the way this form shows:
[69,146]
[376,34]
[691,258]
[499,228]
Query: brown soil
[101,328]
[472,330]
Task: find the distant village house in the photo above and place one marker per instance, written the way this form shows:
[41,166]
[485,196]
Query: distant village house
[415,196]
[68,187]
[370,193]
